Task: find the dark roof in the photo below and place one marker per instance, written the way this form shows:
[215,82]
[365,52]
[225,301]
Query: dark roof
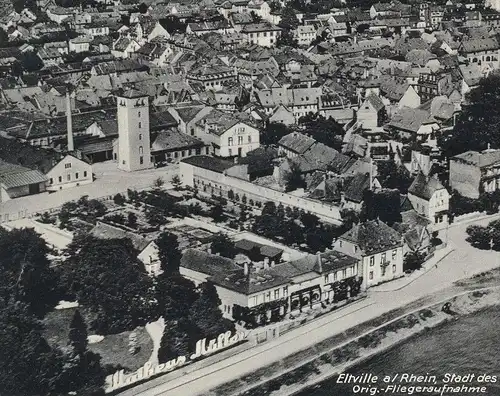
[265,250]
[17,153]
[296,142]
[424,187]
[173,140]
[373,236]
[107,231]
[207,263]
[218,165]
[356,187]
[479,159]
[132,93]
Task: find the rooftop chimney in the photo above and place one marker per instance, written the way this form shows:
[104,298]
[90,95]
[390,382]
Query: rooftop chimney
[69,122]
[320,263]
[266,262]
[245,268]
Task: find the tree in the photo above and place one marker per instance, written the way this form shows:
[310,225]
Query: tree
[154,217]
[323,130]
[362,27]
[479,237]
[132,219]
[206,314]
[25,271]
[222,245]
[78,334]
[393,176]
[289,18]
[177,340]
[110,282]
[217,213]
[413,261]
[286,39]
[119,199]
[28,366]
[273,132]
[255,18]
[30,62]
[169,253]
[158,183]
[294,179]
[176,182]
[477,124]
[383,205]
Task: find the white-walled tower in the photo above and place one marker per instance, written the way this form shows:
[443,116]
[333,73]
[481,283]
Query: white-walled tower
[134,146]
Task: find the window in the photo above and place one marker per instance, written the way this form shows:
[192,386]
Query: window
[67,166]
[68,177]
[192,131]
[240,140]
[249,139]
[253,301]
[372,260]
[340,243]
[60,179]
[198,151]
[51,181]
[190,152]
[230,152]
[85,172]
[277,294]
[285,291]
[394,269]
[230,141]
[335,276]
[207,150]
[394,254]
[141,160]
[344,273]
[183,153]
[268,296]
[140,125]
[382,257]
[326,278]
[76,175]
[371,275]
[140,136]
[141,150]
[355,249]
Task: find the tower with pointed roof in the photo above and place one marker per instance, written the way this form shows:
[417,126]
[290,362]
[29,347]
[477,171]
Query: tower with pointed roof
[134,146]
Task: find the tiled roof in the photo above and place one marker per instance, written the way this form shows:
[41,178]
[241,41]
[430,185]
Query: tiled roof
[373,236]
[107,231]
[480,159]
[172,140]
[12,176]
[411,120]
[424,187]
[207,263]
[296,142]
[480,44]
[356,187]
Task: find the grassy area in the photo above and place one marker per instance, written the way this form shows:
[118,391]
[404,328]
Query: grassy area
[114,349]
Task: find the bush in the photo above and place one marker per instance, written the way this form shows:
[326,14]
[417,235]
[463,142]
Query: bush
[119,199]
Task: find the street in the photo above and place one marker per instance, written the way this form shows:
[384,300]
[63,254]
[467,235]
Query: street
[109,181]
[436,284]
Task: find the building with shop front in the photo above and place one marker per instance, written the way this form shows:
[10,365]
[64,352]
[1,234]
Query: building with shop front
[256,293]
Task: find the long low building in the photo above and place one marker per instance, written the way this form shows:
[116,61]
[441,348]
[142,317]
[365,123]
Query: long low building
[256,293]
[210,175]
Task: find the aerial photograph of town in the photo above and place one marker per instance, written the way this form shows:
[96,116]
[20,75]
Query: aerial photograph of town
[249,197]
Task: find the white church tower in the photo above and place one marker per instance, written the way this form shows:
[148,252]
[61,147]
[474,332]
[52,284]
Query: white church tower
[134,146]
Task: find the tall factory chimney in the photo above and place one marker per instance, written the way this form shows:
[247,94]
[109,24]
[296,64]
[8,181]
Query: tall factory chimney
[69,122]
